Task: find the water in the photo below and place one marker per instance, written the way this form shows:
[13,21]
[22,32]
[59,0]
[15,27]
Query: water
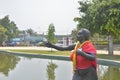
[24,68]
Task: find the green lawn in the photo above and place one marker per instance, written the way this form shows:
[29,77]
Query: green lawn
[66,53]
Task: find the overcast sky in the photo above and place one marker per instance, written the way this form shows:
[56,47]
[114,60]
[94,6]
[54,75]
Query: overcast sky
[38,14]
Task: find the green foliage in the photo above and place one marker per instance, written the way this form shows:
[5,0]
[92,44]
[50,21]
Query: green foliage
[74,32]
[109,13]
[10,26]
[50,35]
[3,36]
[31,32]
[100,16]
[116,41]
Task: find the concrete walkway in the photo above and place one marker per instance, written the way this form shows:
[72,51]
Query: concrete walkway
[45,48]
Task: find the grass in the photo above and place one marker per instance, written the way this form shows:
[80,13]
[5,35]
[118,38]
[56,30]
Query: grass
[66,53]
[111,57]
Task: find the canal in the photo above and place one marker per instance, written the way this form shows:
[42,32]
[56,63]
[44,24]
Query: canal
[14,67]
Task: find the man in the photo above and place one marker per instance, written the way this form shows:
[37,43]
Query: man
[83,56]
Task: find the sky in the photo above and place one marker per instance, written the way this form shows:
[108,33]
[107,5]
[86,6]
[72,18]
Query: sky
[38,14]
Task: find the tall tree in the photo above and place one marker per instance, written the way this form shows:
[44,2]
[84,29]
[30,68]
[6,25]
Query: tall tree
[101,16]
[51,34]
[108,14]
[12,30]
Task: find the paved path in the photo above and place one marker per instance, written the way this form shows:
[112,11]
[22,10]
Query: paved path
[45,48]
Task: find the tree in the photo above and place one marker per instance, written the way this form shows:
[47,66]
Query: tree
[101,16]
[74,32]
[12,30]
[31,32]
[108,14]
[50,35]
[84,21]
[3,36]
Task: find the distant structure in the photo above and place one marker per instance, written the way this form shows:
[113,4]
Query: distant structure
[65,40]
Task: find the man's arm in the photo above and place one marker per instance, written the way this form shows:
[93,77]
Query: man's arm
[62,48]
[89,56]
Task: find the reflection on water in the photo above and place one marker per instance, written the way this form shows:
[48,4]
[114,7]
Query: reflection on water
[51,70]
[22,68]
[108,73]
[7,63]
